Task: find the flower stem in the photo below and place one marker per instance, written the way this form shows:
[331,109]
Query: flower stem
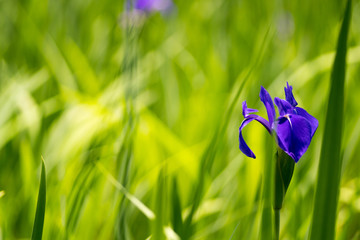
[284,168]
[277,223]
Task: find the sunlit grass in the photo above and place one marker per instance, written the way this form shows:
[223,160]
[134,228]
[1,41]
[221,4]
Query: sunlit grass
[329,173]
[150,149]
[40,206]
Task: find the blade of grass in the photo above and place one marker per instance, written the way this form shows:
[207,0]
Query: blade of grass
[208,157]
[124,160]
[40,208]
[159,206]
[77,197]
[176,208]
[233,233]
[135,201]
[329,172]
[266,226]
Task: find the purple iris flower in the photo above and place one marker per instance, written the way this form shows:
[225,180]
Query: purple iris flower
[294,127]
[153,5]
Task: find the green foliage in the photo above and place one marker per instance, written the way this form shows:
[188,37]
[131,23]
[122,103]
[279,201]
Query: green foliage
[283,172]
[139,126]
[40,206]
[329,173]
[266,229]
[284,169]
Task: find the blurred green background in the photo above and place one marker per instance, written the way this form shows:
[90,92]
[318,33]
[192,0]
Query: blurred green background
[134,123]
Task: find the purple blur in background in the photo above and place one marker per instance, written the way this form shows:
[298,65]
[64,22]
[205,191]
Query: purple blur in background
[153,5]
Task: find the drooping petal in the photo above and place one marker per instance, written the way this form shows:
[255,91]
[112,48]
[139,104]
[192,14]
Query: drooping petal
[293,135]
[269,105]
[289,95]
[314,123]
[242,144]
[246,111]
[283,106]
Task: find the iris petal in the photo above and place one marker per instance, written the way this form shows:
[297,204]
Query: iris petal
[289,95]
[283,106]
[294,128]
[314,123]
[294,135]
[242,144]
[269,105]
[246,111]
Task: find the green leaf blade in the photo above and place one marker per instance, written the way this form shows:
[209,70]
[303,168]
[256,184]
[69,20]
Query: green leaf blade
[40,208]
[329,172]
[176,208]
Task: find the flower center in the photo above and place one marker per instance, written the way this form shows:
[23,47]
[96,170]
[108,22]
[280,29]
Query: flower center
[288,118]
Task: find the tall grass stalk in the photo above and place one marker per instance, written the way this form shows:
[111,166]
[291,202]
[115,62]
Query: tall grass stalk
[40,207]
[209,154]
[329,172]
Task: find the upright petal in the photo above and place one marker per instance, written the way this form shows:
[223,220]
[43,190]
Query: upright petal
[246,111]
[242,144]
[269,105]
[314,123]
[294,135]
[283,106]
[289,95]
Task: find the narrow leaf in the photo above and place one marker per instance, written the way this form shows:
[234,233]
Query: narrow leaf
[267,190]
[176,208]
[327,191]
[40,208]
[209,154]
[160,206]
[284,169]
[135,201]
